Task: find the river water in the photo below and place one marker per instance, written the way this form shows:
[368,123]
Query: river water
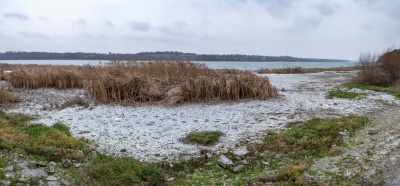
[211,64]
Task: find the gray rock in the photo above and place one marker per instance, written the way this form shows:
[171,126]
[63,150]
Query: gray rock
[240,152]
[77,165]
[51,170]
[245,162]
[42,164]
[10,168]
[224,162]
[208,155]
[51,178]
[238,169]
[67,163]
[224,150]
[170,179]
[373,131]
[80,155]
[32,165]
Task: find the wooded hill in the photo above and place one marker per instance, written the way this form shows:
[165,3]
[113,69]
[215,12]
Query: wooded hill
[153,56]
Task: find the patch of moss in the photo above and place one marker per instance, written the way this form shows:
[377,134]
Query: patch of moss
[342,94]
[391,90]
[203,138]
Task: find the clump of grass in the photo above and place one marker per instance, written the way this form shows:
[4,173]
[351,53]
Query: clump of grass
[342,94]
[7,97]
[391,90]
[106,170]
[53,142]
[204,137]
[314,137]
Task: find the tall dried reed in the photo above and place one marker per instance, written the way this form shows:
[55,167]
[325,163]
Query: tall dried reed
[36,76]
[133,81]
[8,97]
[153,81]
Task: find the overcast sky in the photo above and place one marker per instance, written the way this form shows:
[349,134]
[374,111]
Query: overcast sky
[339,29]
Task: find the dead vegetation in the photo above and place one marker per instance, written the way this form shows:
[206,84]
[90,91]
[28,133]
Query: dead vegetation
[7,97]
[126,82]
[379,70]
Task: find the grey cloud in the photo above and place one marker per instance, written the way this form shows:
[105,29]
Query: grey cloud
[141,26]
[43,19]
[109,24]
[327,8]
[32,35]
[277,7]
[304,24]
[18,16]
[81,22]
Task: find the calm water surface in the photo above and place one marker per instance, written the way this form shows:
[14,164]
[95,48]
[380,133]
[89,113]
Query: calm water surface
[210,64]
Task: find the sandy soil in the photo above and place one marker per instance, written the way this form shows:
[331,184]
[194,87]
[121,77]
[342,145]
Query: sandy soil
[153,133]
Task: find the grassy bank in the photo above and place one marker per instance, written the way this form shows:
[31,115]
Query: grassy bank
[282,158]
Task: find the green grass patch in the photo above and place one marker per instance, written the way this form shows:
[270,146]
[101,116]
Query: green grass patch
[53,143]
[282,158]
[315,137]
[106,170]
[390,90]
[342,94]
[203,138]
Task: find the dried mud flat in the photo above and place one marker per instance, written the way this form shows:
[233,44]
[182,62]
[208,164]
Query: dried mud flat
[153,132]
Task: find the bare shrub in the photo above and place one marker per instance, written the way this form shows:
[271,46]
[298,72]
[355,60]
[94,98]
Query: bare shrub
[379,70]
[390,64]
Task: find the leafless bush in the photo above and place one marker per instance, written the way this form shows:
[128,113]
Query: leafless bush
[379,70]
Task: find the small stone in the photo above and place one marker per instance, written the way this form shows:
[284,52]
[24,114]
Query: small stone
[52,163]
[224,150]
[171,165]
[171,179]
[245,162]
[51,178]
[80,154]
[224,162]
[77,165]
[10,168]
[240,152]
[51,170]
[373,131]
[67,163]
[32,165]
[123,150]
[265,163]
[209,155]
[237,169]
[42,164]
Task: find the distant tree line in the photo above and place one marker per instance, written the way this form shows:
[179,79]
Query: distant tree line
[12,55]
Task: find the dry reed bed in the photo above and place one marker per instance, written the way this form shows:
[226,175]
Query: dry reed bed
[131,81]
